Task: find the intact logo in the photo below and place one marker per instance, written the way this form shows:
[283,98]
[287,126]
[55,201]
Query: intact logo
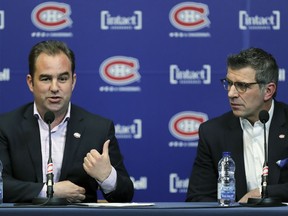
[141,184]
[201,76]
[282,75]
[177,185]
[270,22]
[2,20]
[185,125]
[5,74]
[130,131]
[189,16]
[120,70]
[51,16]
[133,22]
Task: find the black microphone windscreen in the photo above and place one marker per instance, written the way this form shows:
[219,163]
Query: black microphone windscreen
[49,117]
[263,116]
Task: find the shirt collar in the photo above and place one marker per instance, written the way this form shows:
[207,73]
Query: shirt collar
[38,116]
[244,121]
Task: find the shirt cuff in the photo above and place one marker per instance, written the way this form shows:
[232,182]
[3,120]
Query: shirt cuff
[109,184]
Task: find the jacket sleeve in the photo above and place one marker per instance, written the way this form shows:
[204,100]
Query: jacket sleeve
[203,180]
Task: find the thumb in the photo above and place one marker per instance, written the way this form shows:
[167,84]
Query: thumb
[106,147]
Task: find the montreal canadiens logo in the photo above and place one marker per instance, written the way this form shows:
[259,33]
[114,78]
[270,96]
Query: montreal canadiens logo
[51,16]
[120,70]
[189,16]
[185,125]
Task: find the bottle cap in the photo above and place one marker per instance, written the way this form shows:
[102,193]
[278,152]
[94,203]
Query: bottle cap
[226,153]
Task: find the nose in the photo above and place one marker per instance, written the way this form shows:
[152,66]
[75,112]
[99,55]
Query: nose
[232,92]
[54,85]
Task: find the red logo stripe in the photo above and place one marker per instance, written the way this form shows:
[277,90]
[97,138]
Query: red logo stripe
[106,70]
[192,118]
[176,15]
[63,10]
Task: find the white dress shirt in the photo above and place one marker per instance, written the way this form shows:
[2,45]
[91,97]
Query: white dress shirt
[253,138]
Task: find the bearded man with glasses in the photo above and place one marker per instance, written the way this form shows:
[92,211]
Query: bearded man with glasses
[251,83]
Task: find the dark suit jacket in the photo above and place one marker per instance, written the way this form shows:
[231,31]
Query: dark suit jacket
[224,133]
[20,152]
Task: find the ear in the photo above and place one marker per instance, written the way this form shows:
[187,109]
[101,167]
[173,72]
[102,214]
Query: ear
[29,81]
[270,90]
[74,81]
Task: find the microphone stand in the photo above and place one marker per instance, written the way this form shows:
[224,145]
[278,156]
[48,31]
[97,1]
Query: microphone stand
[49,200]
[265,201]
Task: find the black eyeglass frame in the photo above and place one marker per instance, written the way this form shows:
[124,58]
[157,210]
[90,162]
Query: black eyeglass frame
[241,87]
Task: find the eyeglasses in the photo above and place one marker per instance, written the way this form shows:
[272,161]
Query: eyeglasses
[241,87]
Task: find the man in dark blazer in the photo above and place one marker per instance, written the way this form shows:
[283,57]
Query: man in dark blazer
[90,157]
[251,82]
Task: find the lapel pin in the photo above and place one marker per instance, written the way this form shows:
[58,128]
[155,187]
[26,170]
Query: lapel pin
[281,136]
[77,135]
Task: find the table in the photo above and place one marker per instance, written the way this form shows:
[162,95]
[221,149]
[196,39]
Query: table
[160,208]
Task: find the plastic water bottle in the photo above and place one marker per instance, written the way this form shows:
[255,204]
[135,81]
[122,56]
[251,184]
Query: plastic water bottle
[226,180]
[1,183]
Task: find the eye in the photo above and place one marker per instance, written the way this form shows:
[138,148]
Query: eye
[63,78]
[241,85]
[45,78]
[229,82]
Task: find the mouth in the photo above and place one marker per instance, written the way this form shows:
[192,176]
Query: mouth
[235,106]
[54,99]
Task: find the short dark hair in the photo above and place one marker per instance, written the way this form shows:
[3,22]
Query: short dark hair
[262,62]
[49,47]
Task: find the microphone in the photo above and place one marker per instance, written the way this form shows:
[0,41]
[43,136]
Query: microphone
[50,200]
[264,201]
[49,118]
[264,117]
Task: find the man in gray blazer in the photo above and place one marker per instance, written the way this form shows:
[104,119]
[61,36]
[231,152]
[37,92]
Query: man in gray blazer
[85,151]
[251,82]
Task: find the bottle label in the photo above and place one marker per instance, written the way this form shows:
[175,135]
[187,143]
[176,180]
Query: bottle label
[227,195]
[226,192]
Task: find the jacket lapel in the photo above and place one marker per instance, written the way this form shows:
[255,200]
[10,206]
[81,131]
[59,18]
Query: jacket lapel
[32,140]
[75,129]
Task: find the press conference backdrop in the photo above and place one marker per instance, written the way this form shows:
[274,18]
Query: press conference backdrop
[153,67]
